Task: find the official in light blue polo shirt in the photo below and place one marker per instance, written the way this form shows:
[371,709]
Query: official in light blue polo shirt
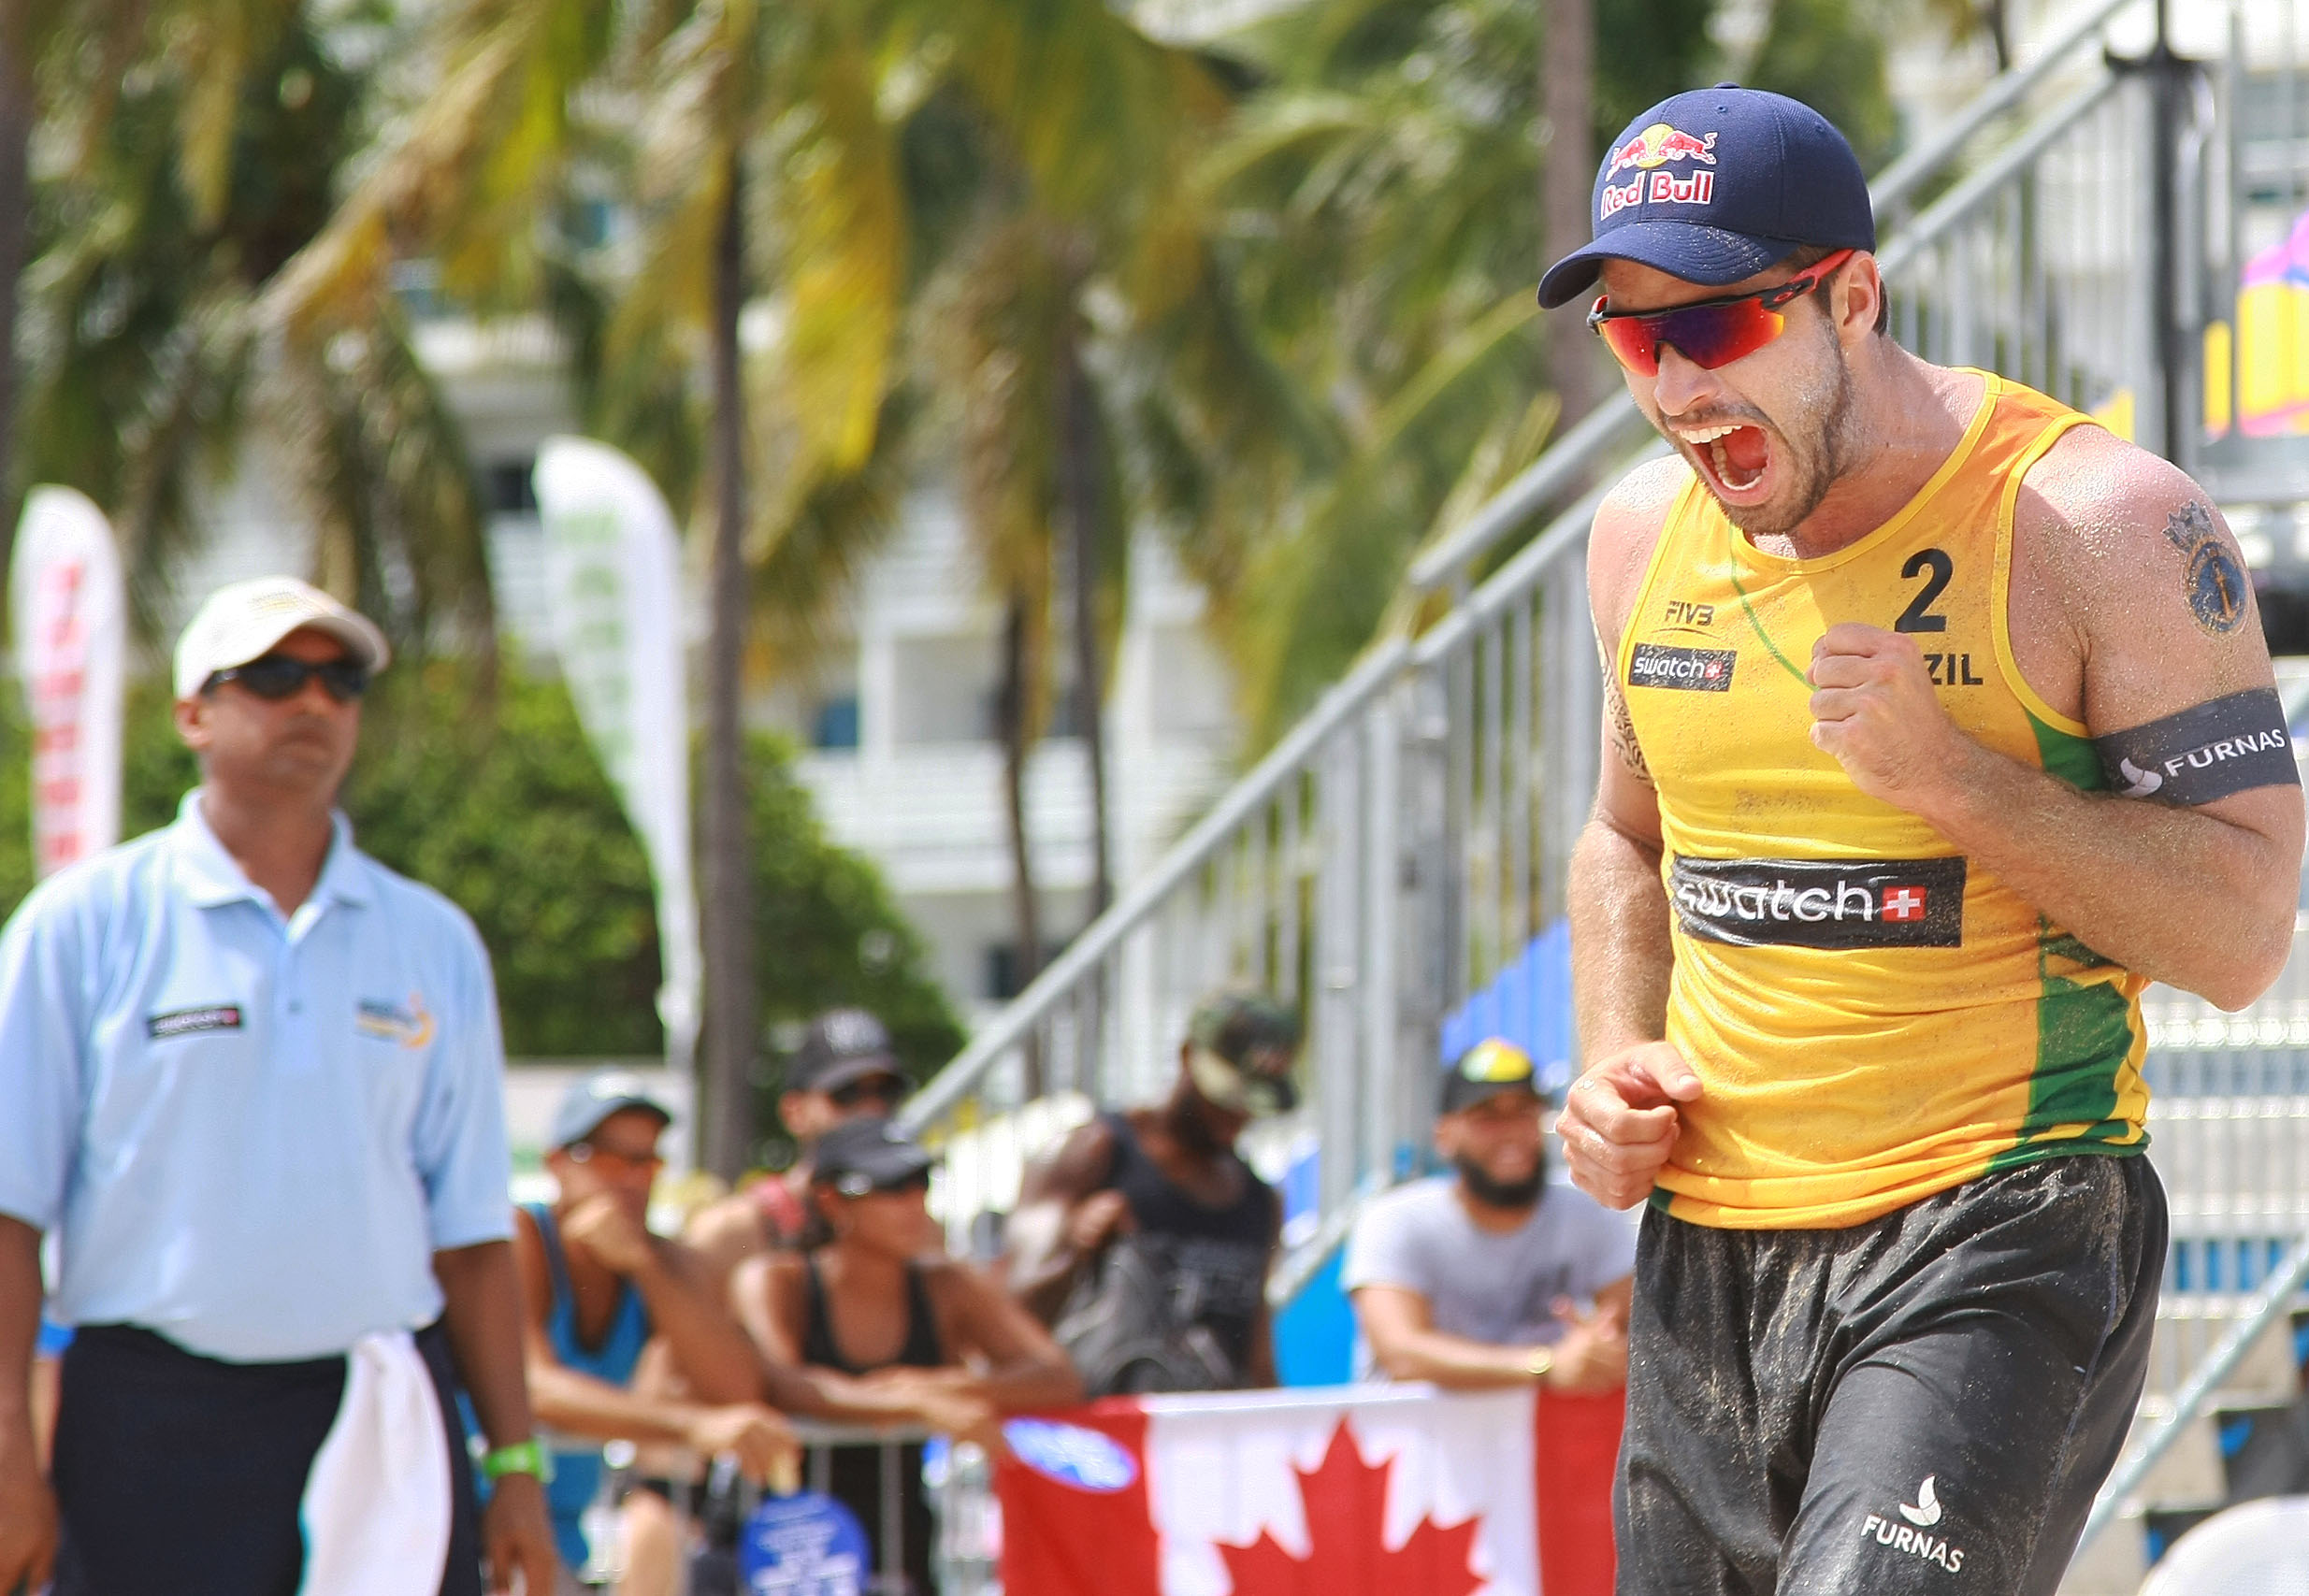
[251,1080]
[252,1133]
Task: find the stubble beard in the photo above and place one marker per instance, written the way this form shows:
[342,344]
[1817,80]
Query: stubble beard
[1818,453]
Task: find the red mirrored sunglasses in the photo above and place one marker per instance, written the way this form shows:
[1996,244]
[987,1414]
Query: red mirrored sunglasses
[1712,333]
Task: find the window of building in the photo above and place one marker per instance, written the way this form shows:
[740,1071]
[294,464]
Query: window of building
[835,723]
[508,487]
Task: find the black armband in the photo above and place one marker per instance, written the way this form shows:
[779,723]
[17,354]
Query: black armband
[2203,752]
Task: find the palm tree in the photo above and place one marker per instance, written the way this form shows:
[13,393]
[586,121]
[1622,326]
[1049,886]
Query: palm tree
[743,111]
[22,36]
[1090,339]
[1383,197]
[201,144]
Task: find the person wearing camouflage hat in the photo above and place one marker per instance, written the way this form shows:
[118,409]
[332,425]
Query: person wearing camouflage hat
[1145,1239]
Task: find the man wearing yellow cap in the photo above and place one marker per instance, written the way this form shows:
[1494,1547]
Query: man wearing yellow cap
[1490,1275]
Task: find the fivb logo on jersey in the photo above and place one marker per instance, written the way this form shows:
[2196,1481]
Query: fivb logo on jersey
[1821,903]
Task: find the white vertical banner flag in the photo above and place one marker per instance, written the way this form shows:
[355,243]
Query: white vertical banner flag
[612,575]
[69,616]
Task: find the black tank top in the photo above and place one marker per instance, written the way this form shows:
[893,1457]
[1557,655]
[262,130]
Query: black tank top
[921,1350]
[1162,1208]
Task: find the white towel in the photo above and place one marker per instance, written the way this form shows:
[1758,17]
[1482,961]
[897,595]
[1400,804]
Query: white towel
[376,1507]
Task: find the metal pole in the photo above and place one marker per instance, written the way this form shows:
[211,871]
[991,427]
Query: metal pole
[2166,71]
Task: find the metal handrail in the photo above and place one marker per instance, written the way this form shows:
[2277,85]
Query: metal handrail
[1611,424]
[1894,183]
[2133,1468]
[1596,437]
[1981,186]
[1338,706]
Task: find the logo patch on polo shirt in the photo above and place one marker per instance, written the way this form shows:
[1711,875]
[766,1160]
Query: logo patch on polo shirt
[411,1026]
[191,1022]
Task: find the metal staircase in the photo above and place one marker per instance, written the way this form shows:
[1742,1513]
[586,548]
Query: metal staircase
[2081,227]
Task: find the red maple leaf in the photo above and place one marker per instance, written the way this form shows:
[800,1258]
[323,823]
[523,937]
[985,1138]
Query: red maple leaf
[1346,1502]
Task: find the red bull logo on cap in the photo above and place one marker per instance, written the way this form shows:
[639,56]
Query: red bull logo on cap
[1659,144]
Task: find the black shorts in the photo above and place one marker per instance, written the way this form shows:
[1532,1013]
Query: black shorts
[183,1475]
[1924,1404]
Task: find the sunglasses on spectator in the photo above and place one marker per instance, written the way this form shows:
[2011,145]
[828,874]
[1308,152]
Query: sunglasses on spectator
[858,1184]
[869,1088]
[1714,332]
[593,1152]
[277,677]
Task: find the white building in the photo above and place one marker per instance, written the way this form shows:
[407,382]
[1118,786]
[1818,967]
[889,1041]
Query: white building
[896,724]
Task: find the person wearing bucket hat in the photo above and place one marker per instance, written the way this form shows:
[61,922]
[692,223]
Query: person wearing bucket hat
[1135,1212]
[1488,1275]
[1936,725]
[253,1080]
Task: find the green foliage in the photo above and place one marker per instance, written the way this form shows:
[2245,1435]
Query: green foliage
[15,796]
[1381,207]
[197,146]
[514,821]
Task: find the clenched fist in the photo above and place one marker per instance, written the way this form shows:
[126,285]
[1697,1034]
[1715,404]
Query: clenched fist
[1874,709]
[1620,1118]
[607,1228]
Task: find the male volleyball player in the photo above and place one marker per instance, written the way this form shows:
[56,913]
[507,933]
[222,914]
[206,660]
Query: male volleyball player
[1939,723]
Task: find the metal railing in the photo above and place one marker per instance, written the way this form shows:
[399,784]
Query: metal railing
[1408,839]
[956,1481]
[2081,228]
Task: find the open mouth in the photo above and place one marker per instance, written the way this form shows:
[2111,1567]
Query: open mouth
[1735,458]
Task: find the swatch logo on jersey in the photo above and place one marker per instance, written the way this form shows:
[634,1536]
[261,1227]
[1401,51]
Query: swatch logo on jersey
[1689,669]
[1821,903]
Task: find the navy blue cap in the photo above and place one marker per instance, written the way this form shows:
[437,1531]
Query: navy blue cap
[1716,184]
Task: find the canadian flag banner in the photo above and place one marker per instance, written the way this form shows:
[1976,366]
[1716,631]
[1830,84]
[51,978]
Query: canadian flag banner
[1381,1490]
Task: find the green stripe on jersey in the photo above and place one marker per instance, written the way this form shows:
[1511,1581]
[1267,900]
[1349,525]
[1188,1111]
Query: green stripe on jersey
[2083,1029]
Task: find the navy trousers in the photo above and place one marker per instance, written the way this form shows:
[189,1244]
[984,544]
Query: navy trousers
[180,1475]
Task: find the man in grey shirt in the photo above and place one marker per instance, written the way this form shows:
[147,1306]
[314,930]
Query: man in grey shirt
[1490,1276]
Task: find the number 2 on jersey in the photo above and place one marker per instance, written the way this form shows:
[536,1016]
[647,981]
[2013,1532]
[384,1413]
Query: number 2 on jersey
[1918,616]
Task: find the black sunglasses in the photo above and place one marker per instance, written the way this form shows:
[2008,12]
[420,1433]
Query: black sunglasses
[857,1182]
[277,677]
[869,1088]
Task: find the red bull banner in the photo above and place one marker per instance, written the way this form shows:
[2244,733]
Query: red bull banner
[1371,1490]
[69,617]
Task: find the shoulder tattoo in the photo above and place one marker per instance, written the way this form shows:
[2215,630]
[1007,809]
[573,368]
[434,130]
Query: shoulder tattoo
[1620,727]
[2212,577]
[2205,752]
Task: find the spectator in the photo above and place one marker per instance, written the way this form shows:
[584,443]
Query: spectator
[845,1068]
[1146,1239]
[878,1326]
[1489,1276]
[254,1079]
[598,1288]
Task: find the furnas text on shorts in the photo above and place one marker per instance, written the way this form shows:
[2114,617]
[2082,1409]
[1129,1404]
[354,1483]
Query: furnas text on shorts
[1917,1543]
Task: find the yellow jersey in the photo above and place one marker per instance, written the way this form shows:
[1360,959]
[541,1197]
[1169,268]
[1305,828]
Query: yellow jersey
[1875,1016]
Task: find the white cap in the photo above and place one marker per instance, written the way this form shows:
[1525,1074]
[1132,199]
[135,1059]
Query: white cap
[238,623]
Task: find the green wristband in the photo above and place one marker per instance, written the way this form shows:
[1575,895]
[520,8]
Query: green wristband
[521,1457]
